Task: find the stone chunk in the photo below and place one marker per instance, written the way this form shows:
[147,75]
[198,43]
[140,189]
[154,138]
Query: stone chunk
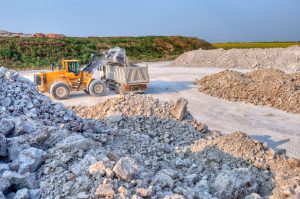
[125,168]
[97,167]
[163,180]
[105,190]
[180,109]
[31,159]
[235,183]
[22,194]
[145,193]
[3,146]
[6,126]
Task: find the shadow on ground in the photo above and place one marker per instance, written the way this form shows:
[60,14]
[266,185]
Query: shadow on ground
[159,87]
[268,139]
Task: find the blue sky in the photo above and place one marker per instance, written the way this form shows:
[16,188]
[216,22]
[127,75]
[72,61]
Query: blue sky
[212,20]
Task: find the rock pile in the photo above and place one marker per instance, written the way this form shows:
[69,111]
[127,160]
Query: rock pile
[140,152]
[286,59]
[267,87]
[27,120]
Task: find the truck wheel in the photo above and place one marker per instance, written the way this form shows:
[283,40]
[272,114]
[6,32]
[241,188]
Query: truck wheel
[117,88]
[97,88]
[60,90]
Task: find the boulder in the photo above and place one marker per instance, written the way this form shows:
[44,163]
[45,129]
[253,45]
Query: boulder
[235,183]
[31,159]
[125,168]
[180,109]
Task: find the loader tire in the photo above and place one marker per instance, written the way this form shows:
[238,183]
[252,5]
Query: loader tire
[97,88]
[60,90]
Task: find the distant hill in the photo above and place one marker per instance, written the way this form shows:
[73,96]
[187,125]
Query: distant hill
[4,33]
[35,52]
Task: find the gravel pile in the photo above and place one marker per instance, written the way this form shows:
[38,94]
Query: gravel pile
[267,87]
[286,59]
[161,155]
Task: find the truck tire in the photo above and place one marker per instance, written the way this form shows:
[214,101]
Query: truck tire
[117,88]
[60,90]
[97,88]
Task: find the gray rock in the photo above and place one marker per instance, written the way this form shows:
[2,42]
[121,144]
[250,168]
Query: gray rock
[192,179]
[23,127]
[3,167]
[21,181]
[6,126]
[77,141]
[3,146]
[35,193]
[4,184]
[125,168]
[5,102]
[3,71]
[235,183]
[115,116]
[253,196]
[163,180]
[30,160]
[22,194]
[2,195]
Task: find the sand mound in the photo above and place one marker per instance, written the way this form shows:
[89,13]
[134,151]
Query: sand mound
[267,87]
[286,59]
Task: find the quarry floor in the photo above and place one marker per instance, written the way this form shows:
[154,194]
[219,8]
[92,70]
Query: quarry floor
[279,129]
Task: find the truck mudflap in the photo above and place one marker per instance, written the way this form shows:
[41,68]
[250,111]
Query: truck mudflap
[140,88]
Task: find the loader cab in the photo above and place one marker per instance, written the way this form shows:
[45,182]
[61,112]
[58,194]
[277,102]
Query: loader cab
[71,66]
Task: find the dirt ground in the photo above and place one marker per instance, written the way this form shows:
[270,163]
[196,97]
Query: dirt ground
[277,128]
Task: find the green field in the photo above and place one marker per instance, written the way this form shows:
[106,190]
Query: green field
[34,53]
[255,45]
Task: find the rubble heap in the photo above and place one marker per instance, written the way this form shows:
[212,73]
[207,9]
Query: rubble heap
[286,59]
[27,121]
[129,156]
[267,87]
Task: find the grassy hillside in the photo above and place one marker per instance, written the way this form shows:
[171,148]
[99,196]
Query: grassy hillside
[255,45]
[21,53]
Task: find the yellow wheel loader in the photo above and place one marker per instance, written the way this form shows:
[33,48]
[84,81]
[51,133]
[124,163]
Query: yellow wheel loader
[60,83]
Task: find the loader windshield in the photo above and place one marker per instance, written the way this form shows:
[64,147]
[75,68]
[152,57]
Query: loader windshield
[73,67]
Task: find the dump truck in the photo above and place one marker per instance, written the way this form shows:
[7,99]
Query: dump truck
[121,76]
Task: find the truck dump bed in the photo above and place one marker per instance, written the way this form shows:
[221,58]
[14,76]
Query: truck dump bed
[134,74]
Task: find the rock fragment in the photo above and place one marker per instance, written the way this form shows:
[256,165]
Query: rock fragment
[125,168]
[180,109]
[105,190]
